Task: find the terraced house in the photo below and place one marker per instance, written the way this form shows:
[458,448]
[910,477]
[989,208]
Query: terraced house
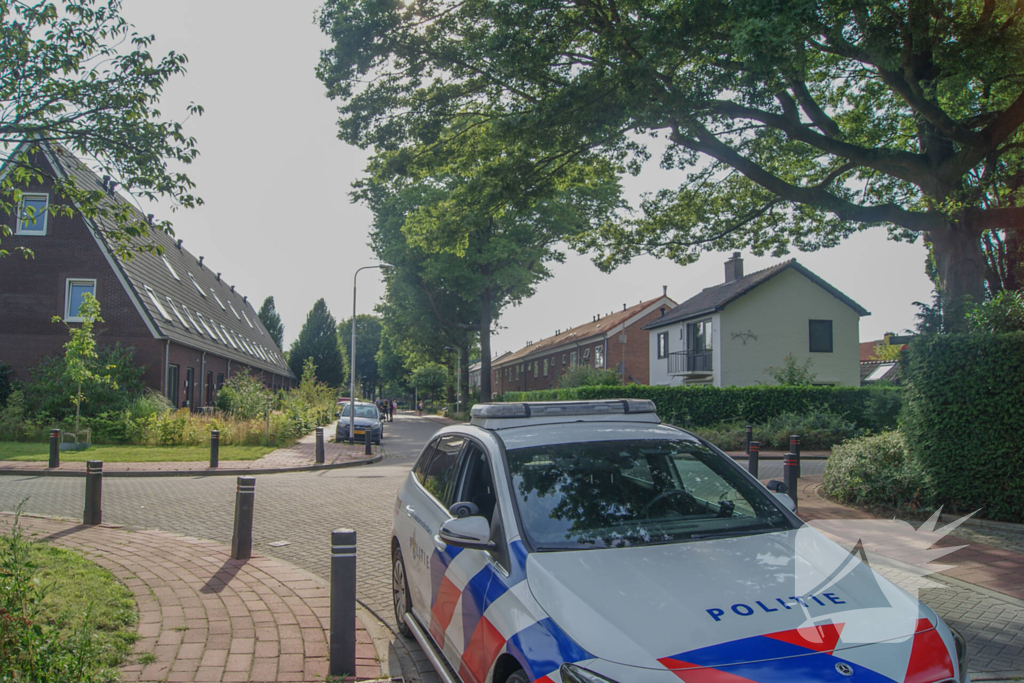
[189,327]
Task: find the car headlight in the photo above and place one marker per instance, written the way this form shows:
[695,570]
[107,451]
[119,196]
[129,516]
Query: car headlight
[961,654]
[577,674]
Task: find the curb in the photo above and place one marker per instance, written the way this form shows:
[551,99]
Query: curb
[194,473]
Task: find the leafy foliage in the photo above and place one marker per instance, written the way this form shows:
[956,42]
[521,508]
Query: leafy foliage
[5,383]
[1004,312]
[586,376]
[318,340]
[368,338]
[963,417]
[696,406]
[887,351]
[76,73]
[818,430]
[875,470]
[429,379]
[50,389]
[245,396]
[792,373]
[271,320]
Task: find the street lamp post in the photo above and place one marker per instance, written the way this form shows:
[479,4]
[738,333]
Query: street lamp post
[458,380]
[352,360]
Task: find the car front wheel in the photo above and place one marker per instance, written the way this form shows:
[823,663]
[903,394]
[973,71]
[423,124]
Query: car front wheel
[400,592]
[518,677]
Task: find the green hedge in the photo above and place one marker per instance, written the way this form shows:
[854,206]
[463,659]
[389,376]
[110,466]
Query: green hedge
[963,420]
[873,408]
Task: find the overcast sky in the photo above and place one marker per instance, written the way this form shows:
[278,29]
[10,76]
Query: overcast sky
[278,220]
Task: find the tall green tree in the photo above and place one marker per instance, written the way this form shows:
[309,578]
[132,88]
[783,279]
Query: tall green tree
[368,337]
[430,379]
[272,321]
[81,360]
[318,340]
[791,124]
[74,72]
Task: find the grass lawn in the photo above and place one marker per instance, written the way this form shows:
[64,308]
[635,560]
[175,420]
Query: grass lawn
[40,452]
[87,617]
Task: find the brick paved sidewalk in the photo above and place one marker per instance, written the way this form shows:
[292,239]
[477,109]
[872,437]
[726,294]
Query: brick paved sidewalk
[980,564]
[299,455]
[206,617]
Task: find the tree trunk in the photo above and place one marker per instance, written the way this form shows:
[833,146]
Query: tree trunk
[485,346]
[464,374]
[960,264]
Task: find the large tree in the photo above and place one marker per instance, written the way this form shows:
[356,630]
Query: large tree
[271,320]
[792,124]
[368,331]
[74,72]
[318,340]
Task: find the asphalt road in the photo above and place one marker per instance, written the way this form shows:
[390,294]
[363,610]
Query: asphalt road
[303,508]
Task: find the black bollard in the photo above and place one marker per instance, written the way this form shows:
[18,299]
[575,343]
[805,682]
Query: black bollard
[343,603]
[93,493]
[753,453]
[367,436]
[750,437]
[319,445]
[794,448]
[214,448]
[790,477]
[241,539]
[54,448]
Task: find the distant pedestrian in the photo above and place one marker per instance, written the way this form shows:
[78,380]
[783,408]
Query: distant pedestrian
[419,408]
[391,410]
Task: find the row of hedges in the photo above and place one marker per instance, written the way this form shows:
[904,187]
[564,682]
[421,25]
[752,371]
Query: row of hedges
[964,419]
[874,408]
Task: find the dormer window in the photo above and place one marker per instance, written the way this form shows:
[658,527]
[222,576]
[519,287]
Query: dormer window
[32,214]
[196,285]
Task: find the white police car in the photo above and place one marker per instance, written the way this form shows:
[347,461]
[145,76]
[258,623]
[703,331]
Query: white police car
[585,542]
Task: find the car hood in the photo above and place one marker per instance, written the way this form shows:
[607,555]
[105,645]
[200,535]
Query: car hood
[360,422]
[724,602]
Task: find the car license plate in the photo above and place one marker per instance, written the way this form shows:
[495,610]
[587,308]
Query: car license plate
[360,432]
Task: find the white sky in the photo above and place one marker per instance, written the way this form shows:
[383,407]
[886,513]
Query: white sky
[275,178]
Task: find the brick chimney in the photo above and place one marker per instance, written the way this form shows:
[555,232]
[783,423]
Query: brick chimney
[734,267]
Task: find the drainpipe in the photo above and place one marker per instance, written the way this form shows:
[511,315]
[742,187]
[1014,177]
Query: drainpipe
[202,381]
[228,376]
[167,365]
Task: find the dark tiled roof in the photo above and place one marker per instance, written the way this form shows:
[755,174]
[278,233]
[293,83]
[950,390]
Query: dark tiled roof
[232,329]
[593,329]
[716,298]
[893,374]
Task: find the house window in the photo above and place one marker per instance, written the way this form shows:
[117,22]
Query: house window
[699,345]
[159,306]
[177,315]
[586,354]
[172,384]
[663,345]
[572,358]
[217,299]
[536,369]
[209,388]
[74,292]
[32,214]
[517,372]
[545,367]
[170,268]
[220,380]
[563,359]
[820,336]
[598,356]
[198,288]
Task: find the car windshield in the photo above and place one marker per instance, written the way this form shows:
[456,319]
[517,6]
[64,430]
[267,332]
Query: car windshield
[361,411]
[608,494]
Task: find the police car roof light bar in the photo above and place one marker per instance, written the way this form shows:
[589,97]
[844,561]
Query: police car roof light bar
[562,408]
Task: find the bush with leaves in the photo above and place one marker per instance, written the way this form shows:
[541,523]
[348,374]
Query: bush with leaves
[429,379]
[245,396]
[792,373]
[13,426]
[818,430]
[876,470]
[1002,313]
[586,376]
[6,386]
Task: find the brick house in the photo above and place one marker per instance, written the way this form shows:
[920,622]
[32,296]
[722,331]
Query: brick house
[188,327]
[616,340]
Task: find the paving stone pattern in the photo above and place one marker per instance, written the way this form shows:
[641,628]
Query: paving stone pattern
[303,508]
[206,617]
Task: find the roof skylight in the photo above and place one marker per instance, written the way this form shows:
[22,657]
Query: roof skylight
[247,319]
[198,288]
[159,306]
[170,268]
[879,372]
[192,320]
[234,311]
[174,309]
[218,299]
[227,334]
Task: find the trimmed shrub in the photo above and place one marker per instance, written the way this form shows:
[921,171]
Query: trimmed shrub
[586,376]
[818,430]
[691,407]
[875,470]
[50,390]
[963,418]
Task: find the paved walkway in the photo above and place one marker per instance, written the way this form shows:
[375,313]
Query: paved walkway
[206,617]
[300,455]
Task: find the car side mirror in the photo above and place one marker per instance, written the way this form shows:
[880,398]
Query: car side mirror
[777,486]
[467,532]
[337,415]
[786,500]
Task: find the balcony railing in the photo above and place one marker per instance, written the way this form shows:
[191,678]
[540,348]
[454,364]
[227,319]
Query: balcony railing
[689,362]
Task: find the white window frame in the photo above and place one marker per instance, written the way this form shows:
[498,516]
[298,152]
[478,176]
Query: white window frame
[234,311]
[247,319]
[192,320]
[156,302]
[599,356]
[206,326]
[196,284]
[167,263]
[231,337]
[68,318]
[217,299]
[44,215]
[177,315]
[586,353]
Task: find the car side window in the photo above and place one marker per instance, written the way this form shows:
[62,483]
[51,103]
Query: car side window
[439,477]
[478,484]
[420,469]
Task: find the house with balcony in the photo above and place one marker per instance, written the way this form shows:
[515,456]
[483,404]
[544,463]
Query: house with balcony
[731,333]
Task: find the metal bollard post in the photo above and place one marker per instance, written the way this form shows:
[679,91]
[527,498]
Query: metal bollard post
[794,448]
[54,448]
[319,445]
[343,603]
[367,436]
[214,448]
[790,477]
[93,493]
[241,539]
[750,437]
[753,452]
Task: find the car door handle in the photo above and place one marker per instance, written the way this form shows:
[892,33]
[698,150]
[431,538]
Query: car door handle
[410,510]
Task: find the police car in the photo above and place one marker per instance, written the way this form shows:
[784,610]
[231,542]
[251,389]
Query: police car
[586,542]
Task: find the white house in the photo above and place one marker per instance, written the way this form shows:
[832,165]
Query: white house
[729,334]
